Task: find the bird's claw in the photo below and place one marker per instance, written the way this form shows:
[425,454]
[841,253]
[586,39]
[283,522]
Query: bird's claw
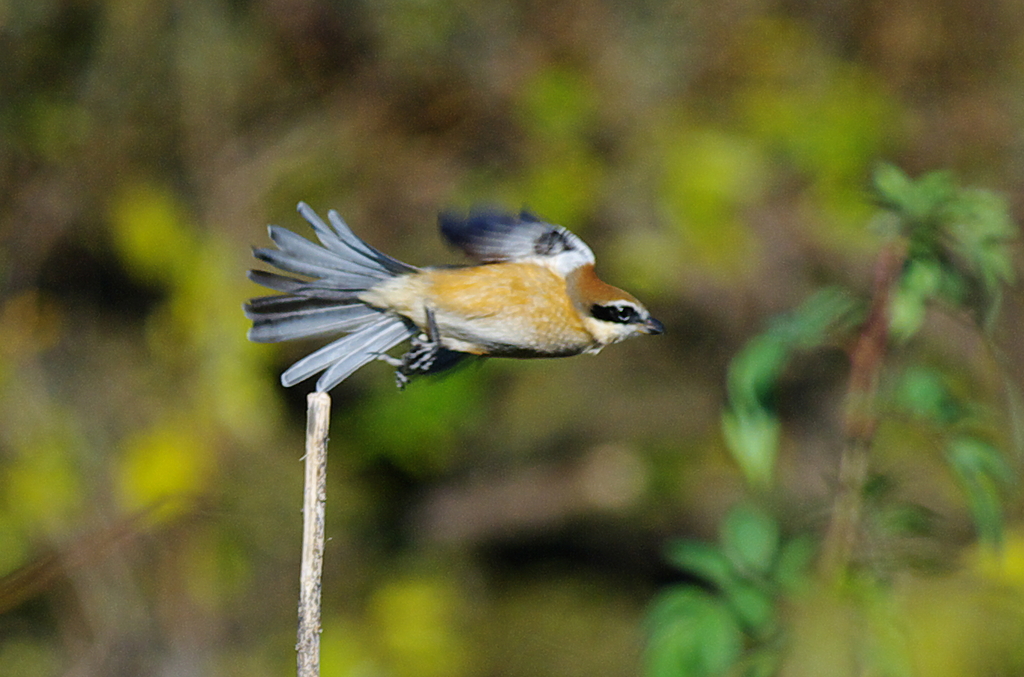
[423,352]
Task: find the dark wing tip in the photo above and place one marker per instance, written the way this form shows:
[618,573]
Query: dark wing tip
[490,235]
[458,228]
[526,216]
[479,233]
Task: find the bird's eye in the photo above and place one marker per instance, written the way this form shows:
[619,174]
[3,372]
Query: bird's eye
[621,314]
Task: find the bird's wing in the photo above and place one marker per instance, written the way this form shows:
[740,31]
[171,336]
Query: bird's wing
[490,237]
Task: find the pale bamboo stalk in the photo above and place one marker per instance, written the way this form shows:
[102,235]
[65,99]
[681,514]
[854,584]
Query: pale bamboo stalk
[318,414]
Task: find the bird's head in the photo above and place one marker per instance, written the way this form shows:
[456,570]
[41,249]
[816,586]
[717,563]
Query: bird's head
[609,314]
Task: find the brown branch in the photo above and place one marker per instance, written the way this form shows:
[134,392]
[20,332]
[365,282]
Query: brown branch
[861,416]
[37,577]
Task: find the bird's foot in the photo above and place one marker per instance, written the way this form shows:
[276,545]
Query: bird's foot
[421,356]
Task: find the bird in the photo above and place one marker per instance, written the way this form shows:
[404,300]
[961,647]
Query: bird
[531,292]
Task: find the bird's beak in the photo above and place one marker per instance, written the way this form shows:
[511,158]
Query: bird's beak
[652,326]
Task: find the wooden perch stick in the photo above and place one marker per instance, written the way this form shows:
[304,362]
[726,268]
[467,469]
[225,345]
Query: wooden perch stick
[318,415]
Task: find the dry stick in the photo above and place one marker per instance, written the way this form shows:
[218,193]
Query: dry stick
[861,417]
[318,413]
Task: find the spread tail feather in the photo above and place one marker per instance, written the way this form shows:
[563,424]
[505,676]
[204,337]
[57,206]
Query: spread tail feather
[342,266]
[282,318]
[342,357]
[342,261]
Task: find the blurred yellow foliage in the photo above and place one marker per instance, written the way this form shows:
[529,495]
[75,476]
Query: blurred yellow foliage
[42,487]
[960,626]
[559,104]
[203,321]
[152,233]
[24,657]
[1006,565]
[416,624]
[563,190]
[164,468]
[827,117]
[344,649]
[709,178]
[559,112]
[939,626]
[14,543]
[199,326]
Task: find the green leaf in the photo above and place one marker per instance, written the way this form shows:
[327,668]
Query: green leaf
[972,455]
[703,560]
[892,187]
[919,204]
[980,468]
[932,193]
[923,393]
[919,284]
[750,538]
[830,310]
[754,370]
[691,634]
[754,607]
[752,437]
[980,218]
[979,228]
[823,313]
[966,230]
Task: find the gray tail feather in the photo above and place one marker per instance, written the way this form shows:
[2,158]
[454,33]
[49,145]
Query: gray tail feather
[342,266]
[342,357]
[341,261]
[282,318]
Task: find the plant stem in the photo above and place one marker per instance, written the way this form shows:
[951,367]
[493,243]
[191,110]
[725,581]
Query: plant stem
[861,416]
[318,413]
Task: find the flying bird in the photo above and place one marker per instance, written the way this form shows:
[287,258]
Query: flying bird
[532,293]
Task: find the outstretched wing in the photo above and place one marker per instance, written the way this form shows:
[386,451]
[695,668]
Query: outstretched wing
[490,237]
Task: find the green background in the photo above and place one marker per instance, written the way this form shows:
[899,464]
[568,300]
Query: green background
[509,519]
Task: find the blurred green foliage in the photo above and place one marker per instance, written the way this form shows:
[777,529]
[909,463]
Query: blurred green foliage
[733,628]
[958,243]
[749,423]
[695,631]
[429,413]
[559,118]
[508,520]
